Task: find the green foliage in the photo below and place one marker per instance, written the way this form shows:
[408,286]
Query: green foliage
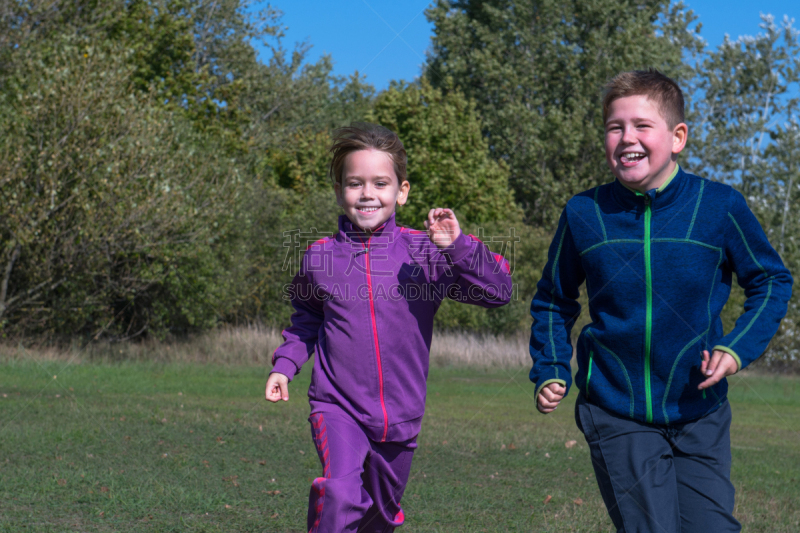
[157,176]
[448,158]
[535,70]
[113,211]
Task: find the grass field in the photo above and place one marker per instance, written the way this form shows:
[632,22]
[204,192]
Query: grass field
[194,447]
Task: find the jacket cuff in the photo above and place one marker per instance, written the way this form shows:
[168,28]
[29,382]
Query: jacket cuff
[458,249]
[732,354]
[284,366]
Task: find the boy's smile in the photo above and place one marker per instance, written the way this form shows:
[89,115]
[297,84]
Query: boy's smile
[641,148]
[370,189]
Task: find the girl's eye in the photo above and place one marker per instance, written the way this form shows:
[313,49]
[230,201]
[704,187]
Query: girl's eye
[353,184]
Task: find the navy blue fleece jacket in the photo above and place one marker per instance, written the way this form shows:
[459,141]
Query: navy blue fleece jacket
[658,272]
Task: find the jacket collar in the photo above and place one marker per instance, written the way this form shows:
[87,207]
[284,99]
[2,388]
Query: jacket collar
[659,198]
[350,232]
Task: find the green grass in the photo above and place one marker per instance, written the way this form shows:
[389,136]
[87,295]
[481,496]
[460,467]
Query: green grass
[180,447]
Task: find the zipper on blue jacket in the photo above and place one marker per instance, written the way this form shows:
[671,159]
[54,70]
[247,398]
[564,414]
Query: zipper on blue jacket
[648,331]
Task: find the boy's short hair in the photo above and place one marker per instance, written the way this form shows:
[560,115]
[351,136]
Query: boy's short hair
[365,136]
[650,83]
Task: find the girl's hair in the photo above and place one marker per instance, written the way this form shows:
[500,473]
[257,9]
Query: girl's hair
[662,90]
[365,136]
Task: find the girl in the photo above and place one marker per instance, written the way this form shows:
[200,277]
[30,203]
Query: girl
[364,303]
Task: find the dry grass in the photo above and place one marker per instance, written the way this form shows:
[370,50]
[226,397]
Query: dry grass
[254,344]
[466,349]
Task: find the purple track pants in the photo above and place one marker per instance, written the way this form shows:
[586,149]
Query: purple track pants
[362,480]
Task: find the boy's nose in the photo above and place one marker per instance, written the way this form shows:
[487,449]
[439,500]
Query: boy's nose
[628,135]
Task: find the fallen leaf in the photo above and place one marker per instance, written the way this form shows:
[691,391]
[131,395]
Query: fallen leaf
[244,459]
[261,428]
[512,447]
[527,453]
[547,455]
[274,516]
[302,452]
[227,506]
[273,492]
[262,463]
[570,443]
[547,500]
[103,489]
[577,501]
[62,482]
[503,447]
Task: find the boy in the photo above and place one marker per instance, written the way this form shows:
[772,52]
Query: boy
[656,248]
[364,304]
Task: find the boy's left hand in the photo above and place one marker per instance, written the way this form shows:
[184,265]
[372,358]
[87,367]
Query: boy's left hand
[442,227]
[721,365]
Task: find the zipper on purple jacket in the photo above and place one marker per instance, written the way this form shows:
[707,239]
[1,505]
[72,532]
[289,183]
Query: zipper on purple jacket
[375,338]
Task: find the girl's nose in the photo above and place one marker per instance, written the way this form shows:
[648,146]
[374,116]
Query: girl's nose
[367,191]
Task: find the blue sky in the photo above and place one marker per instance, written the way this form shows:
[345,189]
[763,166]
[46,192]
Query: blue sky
[387,39]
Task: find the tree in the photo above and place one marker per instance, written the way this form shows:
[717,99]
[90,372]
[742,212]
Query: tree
[535,70]
[114,209]
[448,158]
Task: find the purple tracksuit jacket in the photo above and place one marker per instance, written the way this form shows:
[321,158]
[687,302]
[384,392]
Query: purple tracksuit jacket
[365,305]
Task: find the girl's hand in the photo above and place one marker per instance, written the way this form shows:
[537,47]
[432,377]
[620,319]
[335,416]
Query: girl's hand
[277,388]
[721,365]
[442,227]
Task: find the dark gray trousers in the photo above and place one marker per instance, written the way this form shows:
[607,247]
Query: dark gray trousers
[662,479]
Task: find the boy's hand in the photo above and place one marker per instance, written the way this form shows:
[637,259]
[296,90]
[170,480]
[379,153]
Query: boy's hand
[721,365]
[442,227]
[277,388]
[549,397]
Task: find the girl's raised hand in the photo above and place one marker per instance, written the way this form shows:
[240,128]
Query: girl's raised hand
[442,226]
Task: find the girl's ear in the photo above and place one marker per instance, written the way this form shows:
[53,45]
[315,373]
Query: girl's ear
[402,194]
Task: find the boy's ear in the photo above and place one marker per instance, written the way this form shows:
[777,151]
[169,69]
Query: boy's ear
[402,195]
[680,133]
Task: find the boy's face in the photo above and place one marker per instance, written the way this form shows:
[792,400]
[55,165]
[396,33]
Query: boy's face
[641,148]
[369,189]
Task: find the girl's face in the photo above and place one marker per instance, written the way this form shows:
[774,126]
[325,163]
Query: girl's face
[369,189]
